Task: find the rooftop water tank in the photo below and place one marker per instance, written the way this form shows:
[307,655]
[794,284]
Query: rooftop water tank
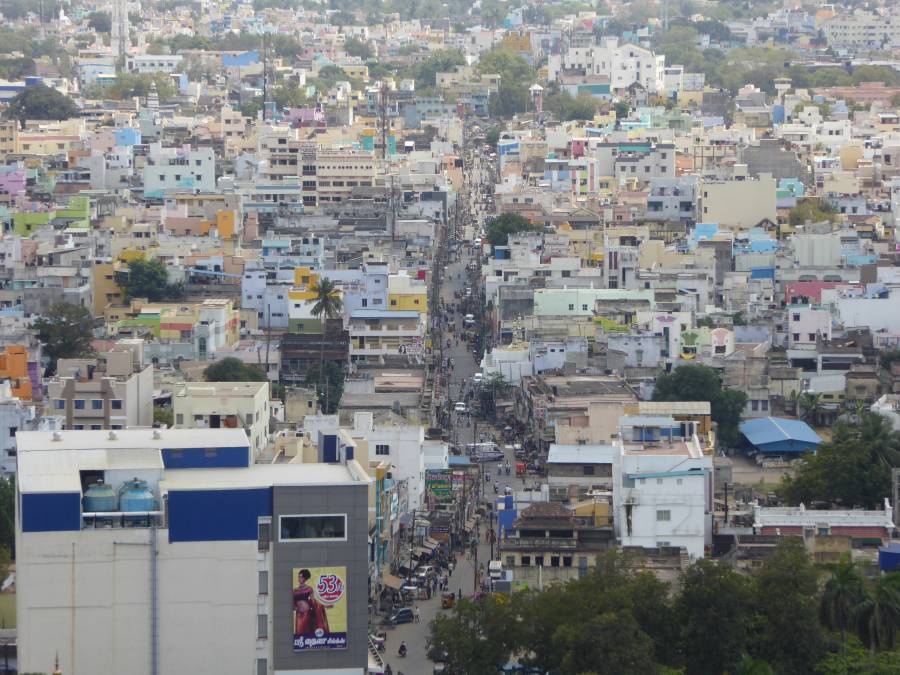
[100,497]
[134,496]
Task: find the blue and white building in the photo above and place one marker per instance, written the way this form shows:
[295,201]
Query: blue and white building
[153,551]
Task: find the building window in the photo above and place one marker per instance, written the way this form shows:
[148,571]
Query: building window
[587,470]
[315,527]
[79,404]
[571,308]
[263,582]
[59,404]
[526,561]
[262,667]
[796,337]
[97,404]
[382,449]
[539,560]
[116,404]
[510,561]
[263,536]
[262,626]
[179,419]
[812,337]
[12,431]
[796,317]
[663,515]
[554,561]
[567,561]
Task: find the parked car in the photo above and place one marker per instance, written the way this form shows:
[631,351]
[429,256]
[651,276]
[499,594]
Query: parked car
[460,407]
[425,571]
[478,378]
[402,615]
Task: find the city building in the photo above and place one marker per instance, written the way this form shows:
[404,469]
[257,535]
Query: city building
[137,547]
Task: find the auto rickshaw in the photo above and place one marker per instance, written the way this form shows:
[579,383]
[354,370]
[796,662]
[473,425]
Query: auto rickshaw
[448,599]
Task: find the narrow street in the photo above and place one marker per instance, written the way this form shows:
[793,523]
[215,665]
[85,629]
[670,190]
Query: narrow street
[463,429]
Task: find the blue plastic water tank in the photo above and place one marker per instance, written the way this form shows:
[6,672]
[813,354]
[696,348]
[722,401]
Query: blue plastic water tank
[100,497]
[134,495]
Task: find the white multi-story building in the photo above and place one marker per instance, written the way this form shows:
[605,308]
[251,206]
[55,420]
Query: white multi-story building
[181,169]
[862,31]
[225,405]
[623,64]
[169,551]
[153,63]
[667,487]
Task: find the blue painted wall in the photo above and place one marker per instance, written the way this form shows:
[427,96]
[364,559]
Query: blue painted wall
[786,447]
[196,458]
[51,512]
[217,515]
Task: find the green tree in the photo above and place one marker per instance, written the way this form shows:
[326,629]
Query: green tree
[148,279]
[701,383]
[7,513]
[163,415]
[714,609]
[843,593]
[441,61]
[231,369]
[810,406]
[327,304]
[812,211]
[567,107]
[857,660]
[328,379]
[878,614]
[358,48]
[622,109]
[492,136]
[100,22]
[853,468]
[516,77]
[788,633]
[40,102]
[129,85]
[476,637]
[66,333]
[498,229]
[611,642]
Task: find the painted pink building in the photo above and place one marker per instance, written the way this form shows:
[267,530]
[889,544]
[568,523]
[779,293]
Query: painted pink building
[810,292]
[12,180]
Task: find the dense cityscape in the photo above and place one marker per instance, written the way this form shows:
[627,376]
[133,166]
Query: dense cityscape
[505,337]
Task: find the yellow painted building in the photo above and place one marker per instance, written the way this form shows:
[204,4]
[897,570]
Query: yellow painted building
[406,294]
[305,278]
[106,290]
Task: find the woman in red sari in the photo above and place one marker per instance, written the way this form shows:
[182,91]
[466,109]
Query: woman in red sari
[309,613]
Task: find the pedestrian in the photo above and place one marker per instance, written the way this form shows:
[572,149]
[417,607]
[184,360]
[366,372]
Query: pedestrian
[416,611]
[450,566]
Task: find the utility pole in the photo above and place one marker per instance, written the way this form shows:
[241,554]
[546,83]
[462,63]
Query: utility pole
[412,539]
[265,50]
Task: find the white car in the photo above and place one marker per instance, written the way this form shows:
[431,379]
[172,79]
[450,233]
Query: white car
[477,378]
[460,407]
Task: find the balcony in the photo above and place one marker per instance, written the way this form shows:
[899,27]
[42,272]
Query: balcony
[539,544]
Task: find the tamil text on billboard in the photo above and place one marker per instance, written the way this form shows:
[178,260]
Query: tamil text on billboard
[320,608]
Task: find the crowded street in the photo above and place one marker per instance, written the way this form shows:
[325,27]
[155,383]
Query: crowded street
[459,343]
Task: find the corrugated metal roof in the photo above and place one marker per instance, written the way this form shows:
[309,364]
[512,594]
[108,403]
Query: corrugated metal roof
[775,429]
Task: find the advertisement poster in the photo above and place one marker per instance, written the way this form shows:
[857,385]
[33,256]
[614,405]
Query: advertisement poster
[437,482]
[320,608]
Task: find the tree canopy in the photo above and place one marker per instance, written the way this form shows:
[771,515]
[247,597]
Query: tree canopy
[852,469]
[148,279]
[516,76]
[498,229]
[66,332]
[231,369]
[40,102]
[328,379]
[617,620]
[701,383]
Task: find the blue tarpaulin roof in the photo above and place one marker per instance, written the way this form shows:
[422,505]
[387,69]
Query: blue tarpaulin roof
[775,429]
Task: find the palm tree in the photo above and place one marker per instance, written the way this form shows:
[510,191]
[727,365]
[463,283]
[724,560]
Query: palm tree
[843,592]
[855,409]
[879,436]
[878,615]
[327,305]
[810,406]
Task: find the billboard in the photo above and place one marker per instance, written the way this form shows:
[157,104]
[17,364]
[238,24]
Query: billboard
[319,608]
[437,482]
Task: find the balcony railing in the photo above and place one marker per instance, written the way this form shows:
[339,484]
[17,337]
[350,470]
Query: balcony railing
[539,543]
